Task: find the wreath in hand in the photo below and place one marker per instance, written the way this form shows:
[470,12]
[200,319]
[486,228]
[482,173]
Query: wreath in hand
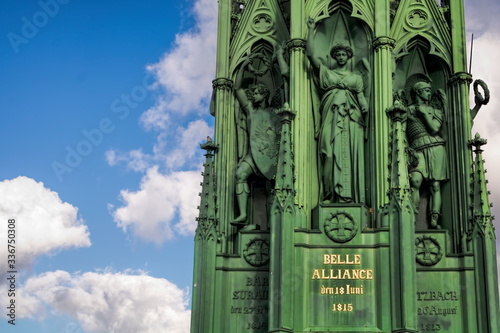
[478,97]
[265,64]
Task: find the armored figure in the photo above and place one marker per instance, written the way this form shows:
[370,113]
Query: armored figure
[427,147]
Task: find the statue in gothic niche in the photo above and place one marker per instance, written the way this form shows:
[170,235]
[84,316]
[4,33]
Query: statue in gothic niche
[341,133]
[263,128]
[426,147]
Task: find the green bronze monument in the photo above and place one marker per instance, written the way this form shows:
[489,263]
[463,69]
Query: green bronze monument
[343,190]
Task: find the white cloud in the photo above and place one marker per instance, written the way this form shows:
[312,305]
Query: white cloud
[135,159]
[482,20]
[186,72]
[164,206]
[112,157]
[156,117]
[108,302]
[174,150]
[44,223]
[188,140]
[482,16]
[166,203]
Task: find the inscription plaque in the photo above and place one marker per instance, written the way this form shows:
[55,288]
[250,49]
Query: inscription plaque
[342,288]
[249,302]
[439,302]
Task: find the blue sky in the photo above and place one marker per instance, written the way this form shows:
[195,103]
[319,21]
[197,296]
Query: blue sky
[103,105]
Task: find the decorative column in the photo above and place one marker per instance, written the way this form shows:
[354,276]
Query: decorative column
[225,137]
[459,125]
[283,216]
[205,250]
[225,11]
[306,179]
[460,159]
[401,230]
[303,128]
[383,67]
[458,37]
[223,109]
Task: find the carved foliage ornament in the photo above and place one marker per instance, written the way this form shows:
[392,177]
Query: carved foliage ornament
[384,42]
[206,229]
[222,83]
[296,44]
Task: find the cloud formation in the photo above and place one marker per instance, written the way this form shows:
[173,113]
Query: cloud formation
[185,72]
[481,16]
[135,159]
[172,151]
[164,206]
[187,145]
[38,211]
[107,302]
[481,20]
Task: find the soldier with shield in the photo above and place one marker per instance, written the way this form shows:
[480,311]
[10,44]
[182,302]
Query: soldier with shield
[263,134]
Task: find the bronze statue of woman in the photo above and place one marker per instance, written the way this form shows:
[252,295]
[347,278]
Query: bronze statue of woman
[341,135]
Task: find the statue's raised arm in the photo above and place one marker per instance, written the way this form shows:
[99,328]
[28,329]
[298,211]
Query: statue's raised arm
[239,91]
[310,51]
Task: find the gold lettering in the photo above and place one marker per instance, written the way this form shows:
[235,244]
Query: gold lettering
[341,259]
[344,274]
[354,290]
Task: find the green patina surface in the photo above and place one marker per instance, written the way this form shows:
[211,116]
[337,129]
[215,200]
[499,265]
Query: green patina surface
[343,191]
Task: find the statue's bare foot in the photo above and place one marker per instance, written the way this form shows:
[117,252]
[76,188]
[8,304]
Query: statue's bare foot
[434,220]
[240,220]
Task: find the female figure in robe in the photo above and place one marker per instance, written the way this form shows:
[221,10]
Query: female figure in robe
[342,125]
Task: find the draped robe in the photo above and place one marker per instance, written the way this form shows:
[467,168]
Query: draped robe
[341,137]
